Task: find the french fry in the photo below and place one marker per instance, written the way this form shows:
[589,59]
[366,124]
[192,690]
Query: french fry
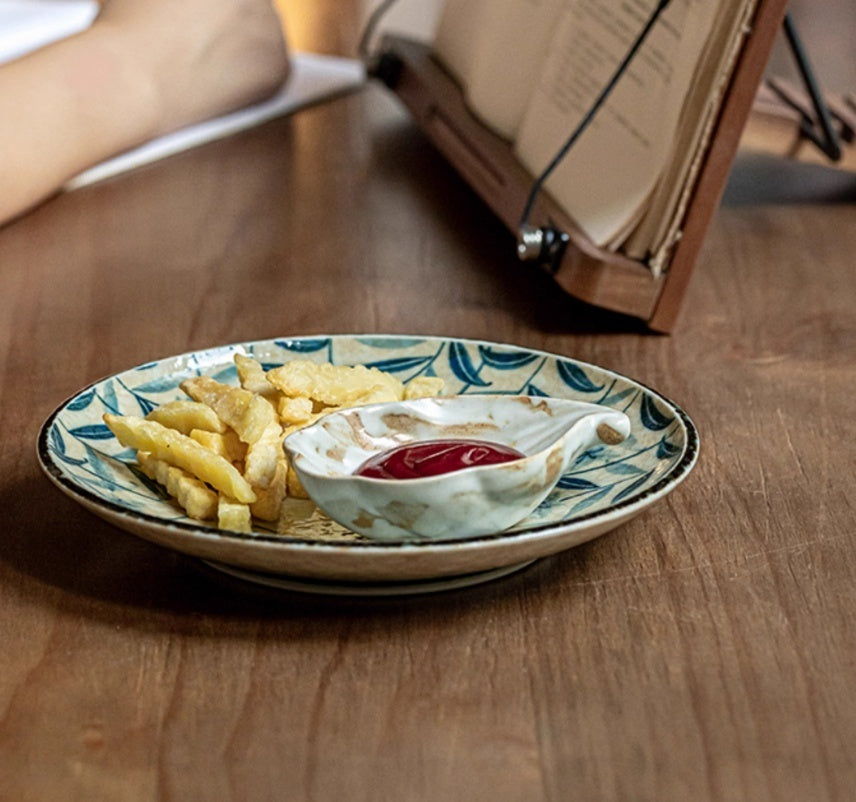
[227,445]
[233,515]
[196,498]
[263,456]
[295,410]
[247,413]
[423,387]
[333,385]
[268,503]
[182,451]
[184,416]
[378,394]
[295,486]
[252,377]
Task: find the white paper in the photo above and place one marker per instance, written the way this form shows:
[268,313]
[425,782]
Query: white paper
[26,25]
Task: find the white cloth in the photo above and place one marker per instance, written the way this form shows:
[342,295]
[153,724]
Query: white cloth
[26,25]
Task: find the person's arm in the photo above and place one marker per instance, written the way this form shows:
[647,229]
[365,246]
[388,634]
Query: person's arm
[144,68]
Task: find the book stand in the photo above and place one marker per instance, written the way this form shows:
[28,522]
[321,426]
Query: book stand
[486,161]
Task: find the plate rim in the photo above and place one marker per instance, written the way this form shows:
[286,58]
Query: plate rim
[624,508]
[367,589]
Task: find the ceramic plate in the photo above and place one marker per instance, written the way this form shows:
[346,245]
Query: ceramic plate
[307,551]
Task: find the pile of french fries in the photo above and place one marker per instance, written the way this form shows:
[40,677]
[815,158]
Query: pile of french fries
[219,452]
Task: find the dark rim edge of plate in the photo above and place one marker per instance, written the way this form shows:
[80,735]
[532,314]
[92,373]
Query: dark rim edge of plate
[673,477]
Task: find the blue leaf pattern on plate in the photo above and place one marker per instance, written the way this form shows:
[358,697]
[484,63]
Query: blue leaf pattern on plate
[589,501]
[226,375]
[58,444]
[56,441]
[623,469]
[462,366]
[165,384]
[651,416]
[391,343]
[505,360]
[575,483]
[146,404]
[632,486]
[107,396]
[304,346]
[151,484]
[665,449]
[400,364]
[591,454]
[82,401]
[577,378]
[93,431]
[613,399]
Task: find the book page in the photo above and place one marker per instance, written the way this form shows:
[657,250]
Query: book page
[458,29]
[658,231]
[606,178]
[508,56]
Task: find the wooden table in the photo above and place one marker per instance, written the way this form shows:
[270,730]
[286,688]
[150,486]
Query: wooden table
[706,650]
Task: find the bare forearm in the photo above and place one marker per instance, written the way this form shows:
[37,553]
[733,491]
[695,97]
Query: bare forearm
[64,108]
[145,67]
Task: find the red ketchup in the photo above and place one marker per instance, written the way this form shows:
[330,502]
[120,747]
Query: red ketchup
[435,457]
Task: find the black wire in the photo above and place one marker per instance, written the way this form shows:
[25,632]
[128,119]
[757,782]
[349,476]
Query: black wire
[828,142]
[368,30]
[583,124]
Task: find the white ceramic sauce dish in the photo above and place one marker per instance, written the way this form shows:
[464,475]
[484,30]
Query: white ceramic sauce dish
[550,432]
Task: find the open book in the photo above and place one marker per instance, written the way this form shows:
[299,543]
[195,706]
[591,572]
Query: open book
[531,69]
[500,86]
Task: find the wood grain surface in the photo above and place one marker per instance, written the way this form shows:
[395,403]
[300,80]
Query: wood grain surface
[704,651]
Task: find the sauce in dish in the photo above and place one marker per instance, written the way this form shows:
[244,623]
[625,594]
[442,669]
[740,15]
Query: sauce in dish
[435,457]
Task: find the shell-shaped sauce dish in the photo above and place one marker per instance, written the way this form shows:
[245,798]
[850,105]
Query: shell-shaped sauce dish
[550,432]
